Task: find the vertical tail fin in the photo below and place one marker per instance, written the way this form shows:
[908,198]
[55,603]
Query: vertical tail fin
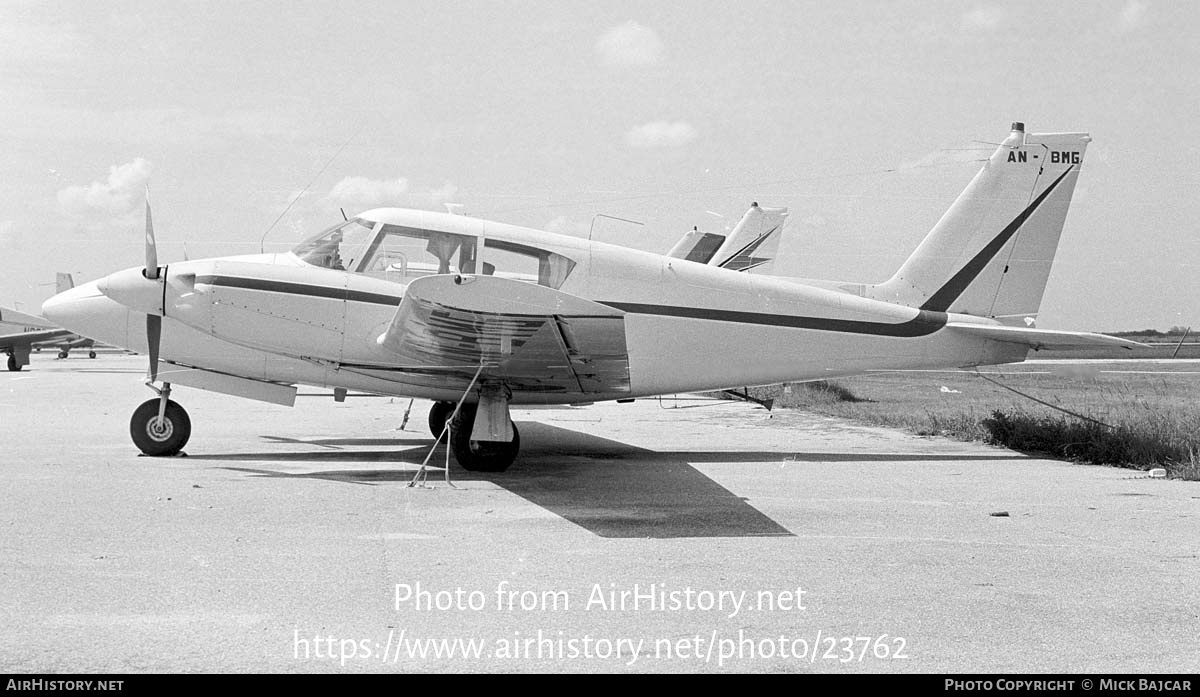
[753,243]
[990,254]
[63,282]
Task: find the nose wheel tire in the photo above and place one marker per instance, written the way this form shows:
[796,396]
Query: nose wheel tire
[480,455]
[438,413]
[12,364]
[160,438]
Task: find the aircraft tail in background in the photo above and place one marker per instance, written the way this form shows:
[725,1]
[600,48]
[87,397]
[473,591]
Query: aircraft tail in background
[753,243]
[991,252]
[63,282]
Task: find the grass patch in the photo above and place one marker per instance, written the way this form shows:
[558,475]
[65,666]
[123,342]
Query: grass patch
[1142,445]
[1154,416]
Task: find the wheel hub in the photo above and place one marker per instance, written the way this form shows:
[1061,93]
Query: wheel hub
[160,429]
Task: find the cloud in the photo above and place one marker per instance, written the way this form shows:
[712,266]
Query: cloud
[1132,16]
[116,195]
[366,192]
[629,44]
[661,134]
[983,19]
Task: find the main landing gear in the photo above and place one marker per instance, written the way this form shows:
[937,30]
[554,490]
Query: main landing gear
[438,413]
[18,357]
[472,454]
[160,427]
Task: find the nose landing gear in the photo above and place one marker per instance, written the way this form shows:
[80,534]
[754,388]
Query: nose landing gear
[160,427]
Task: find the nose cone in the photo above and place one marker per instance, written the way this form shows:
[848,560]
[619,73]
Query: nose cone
[132,289]
[87,312]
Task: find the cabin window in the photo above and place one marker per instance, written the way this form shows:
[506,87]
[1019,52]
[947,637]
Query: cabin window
[524,263]
[402,254]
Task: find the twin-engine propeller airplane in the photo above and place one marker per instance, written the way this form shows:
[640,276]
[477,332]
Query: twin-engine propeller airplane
[485,316]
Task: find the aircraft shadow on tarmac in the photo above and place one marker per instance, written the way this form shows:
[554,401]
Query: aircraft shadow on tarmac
[607,487]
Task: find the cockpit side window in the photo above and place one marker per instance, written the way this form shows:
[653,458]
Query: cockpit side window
[402,254]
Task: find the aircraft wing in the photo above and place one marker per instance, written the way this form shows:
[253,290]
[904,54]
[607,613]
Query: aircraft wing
[530,337]
[10,319]
[1042,339]
[27,339]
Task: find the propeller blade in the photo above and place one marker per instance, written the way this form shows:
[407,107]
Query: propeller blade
[153,336]
[151,249]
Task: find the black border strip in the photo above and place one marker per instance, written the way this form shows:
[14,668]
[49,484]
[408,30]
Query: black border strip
[923,324]
[750,247]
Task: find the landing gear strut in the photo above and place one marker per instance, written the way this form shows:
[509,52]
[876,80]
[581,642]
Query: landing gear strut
[480,455]
[160,427]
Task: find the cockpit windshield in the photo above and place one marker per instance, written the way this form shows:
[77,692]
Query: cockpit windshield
[339,247]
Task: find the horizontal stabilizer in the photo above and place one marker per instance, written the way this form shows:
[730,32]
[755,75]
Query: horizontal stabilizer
[1041,339]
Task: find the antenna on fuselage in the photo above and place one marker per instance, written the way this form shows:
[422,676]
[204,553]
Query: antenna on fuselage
[610,217]
[343,210]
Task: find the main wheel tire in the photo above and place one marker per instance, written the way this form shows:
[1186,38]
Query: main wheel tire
[477,455]
[62,354]
[163,439]
[12,363]
[91,354]
[438,413]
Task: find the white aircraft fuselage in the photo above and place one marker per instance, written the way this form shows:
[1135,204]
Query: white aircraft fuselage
[688,326]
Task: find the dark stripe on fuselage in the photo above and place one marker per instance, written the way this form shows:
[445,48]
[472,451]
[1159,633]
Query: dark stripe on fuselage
[923,324]
[948,293]
[300,289]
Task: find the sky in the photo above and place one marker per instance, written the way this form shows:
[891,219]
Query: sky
[253,123]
